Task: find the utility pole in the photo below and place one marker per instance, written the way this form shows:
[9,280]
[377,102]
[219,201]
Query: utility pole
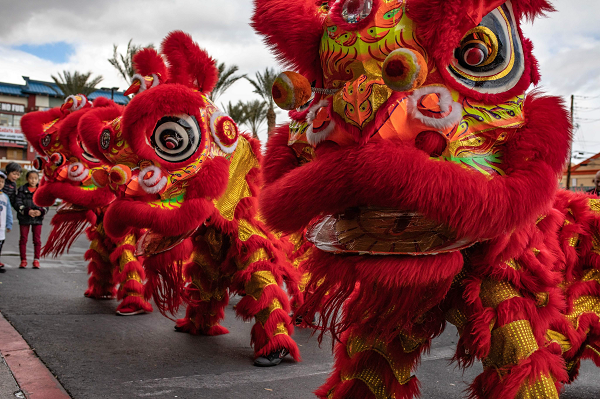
[571,143]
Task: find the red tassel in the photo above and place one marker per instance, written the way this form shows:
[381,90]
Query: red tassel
[66,228]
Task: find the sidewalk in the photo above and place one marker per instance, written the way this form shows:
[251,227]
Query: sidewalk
[22,373]
[8,386]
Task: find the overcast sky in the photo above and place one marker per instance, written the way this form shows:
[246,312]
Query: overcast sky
[41,37]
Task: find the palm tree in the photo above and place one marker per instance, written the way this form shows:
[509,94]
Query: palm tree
[255,113]
[262,86]
[124,62]
[237,112]
[227,77]
[76,83]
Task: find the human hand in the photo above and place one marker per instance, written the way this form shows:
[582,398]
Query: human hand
[8,230]
[32,212]
[38,213]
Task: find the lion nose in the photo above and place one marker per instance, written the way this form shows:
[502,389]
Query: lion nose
[404,70]
[78,172]
[151,180]
[119,175]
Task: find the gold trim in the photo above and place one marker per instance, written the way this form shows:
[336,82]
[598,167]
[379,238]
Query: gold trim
[511,344]
[258,282]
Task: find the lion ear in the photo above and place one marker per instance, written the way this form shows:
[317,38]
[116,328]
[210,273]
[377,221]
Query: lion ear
[189,65]
[35,124]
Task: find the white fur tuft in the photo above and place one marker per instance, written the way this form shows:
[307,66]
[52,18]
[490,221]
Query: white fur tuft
[446,104]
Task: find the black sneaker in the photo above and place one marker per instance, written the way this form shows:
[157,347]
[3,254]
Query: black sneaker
[272,359]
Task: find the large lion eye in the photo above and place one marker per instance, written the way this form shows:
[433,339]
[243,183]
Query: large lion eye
[176,138]
[490,57]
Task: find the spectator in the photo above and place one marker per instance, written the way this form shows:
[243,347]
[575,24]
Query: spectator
[596,189]
[29,214]
[6,218]
[13,172]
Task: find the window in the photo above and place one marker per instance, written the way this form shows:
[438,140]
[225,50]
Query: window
[6,120]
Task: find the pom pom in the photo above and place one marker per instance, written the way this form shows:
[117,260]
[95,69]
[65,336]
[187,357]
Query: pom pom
[100,178]
[120,174]
[404,70]
[290,90]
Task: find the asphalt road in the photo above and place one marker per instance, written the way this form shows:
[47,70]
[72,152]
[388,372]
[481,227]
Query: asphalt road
[96,354]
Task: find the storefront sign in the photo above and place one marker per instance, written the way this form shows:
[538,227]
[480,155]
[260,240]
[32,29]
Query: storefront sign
[12,134]
[10,107]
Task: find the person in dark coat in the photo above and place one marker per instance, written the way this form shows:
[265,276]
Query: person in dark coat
[29,214]
[13,172]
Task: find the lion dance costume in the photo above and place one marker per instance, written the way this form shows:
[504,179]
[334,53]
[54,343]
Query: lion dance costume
[67,169]
[186,183]
[426,179]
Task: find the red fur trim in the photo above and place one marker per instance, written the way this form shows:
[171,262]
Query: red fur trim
[211,181]
[133,303]
[189,65]
[66,228]
[293,31]
[122,215]
[164,272]
[32,125]
[100,283]
[413,284]
[147,61]
[275,343]
[248,307]
[203,317]
[373,361]
[48,193]
[490,385]
[360,175]
[116,254]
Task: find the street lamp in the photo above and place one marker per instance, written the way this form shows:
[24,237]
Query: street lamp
[112,91]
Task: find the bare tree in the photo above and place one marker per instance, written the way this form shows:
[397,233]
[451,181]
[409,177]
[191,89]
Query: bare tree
[262,86]
[76,83]
[124,62]
[227,77]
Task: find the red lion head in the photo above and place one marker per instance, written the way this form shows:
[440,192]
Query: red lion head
[171,147]
[66,163]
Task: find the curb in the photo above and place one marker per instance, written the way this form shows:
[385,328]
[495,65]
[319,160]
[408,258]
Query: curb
[33,377]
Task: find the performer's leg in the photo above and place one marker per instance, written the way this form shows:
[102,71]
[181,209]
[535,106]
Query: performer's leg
[131,278]
[374,369]
[517,367]
[206,296]
[268,303]
[101,284]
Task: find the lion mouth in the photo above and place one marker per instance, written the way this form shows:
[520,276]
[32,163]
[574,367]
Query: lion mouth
[381,231]
[320,123]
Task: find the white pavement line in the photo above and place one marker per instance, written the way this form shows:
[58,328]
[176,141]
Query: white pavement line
[226,380]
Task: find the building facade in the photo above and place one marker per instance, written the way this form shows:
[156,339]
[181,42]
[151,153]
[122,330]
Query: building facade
[583,174]
[17,100]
